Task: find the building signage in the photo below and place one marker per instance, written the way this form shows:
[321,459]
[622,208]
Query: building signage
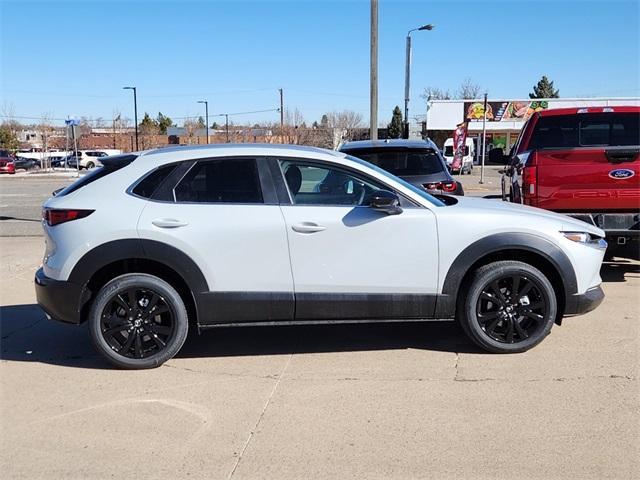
[503,111]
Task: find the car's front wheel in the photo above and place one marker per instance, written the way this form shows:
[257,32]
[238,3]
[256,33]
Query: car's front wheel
[138,321]
[509,307]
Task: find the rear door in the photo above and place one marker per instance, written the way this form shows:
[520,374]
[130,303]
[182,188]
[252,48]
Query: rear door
[223,213]
[588,161]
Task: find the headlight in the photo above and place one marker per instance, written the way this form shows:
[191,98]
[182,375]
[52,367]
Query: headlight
[586,239]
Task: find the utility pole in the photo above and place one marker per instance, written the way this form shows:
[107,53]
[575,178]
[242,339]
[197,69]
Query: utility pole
[135,111]
[206,110]
[226,119]
[484,138]
[281,115]
[407,79]
[373,81]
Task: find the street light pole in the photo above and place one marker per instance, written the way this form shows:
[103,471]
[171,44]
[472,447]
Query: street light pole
[226,120]
[135,111]
[206,114]
[407,76]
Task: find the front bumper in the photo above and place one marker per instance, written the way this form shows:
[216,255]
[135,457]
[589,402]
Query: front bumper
[584,303]
[59,299]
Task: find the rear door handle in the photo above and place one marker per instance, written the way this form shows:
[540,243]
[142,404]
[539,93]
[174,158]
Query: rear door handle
[307,227]
[168,223]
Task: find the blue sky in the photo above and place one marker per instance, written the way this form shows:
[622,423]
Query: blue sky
[73,58]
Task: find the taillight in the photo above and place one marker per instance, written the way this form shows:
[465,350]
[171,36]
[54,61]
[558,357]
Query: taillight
[529,181]
[448,186]
[56,216]
[444,186]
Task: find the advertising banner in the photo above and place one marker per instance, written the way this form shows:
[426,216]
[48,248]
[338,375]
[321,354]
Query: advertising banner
[515,110]
[459,138]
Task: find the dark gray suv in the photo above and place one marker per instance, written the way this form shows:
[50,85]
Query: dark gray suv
[419,162]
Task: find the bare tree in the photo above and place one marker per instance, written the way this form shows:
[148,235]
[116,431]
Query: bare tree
[45,129]
[469,90]
[190,126]
[346,120]
[435,93]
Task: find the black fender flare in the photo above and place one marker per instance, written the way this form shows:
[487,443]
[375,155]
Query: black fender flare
[143,249]
[526,242]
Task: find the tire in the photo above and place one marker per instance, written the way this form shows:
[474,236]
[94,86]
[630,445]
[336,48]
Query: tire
[509,325]
[90,165]
[131,334]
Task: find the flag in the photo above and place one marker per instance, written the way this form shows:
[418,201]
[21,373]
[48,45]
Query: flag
[459,140]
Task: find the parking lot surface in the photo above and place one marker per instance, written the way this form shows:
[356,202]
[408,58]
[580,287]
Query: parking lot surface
[368,401]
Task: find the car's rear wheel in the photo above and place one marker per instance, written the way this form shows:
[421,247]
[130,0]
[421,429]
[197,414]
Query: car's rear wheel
[138,321]
[509,307]
[90,165]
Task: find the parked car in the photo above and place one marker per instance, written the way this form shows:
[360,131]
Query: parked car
[92,158]
[467,159]
[22,163]
[584,162]
[7,165]
[419,162]
[158,242]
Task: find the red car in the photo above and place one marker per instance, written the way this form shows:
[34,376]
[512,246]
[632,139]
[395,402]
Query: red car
[7,165]
[584,162]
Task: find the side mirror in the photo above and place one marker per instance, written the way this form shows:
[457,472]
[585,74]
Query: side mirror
[385,201]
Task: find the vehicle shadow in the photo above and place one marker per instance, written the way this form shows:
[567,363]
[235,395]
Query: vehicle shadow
[28,336]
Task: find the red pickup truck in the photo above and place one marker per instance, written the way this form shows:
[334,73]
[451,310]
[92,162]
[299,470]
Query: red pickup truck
[584,162]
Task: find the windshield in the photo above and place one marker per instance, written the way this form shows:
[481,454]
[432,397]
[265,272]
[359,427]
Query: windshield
[402,161]
[422,193]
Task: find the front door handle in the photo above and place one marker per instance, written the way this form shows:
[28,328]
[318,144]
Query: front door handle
[168,223]
[307,227]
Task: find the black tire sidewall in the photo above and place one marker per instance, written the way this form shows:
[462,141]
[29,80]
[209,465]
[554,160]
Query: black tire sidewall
[174,302]
[491,272]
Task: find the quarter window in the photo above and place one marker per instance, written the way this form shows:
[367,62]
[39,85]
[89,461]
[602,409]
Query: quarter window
[311,184]
[149,184]
[221,181]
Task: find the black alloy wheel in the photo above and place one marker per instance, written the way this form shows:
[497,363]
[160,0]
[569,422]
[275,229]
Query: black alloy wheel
[511,309]
[508,307]
[138,321]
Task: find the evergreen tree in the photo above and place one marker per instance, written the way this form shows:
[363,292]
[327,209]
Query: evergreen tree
[324,121]
[148,122]
[163,122]
[215,125]
[201,123]
[8,139]
[396,126]
[544,89]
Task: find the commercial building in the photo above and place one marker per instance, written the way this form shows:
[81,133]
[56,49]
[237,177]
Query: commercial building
[505,118]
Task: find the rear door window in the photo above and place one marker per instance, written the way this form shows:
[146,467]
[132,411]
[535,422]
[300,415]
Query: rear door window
[230,180]
[403,162]
[587,130]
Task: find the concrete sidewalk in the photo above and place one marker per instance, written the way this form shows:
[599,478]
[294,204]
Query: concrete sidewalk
[378,401]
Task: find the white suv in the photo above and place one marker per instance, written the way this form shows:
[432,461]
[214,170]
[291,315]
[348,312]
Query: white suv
[156,242]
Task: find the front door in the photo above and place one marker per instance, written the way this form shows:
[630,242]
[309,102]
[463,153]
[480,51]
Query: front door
[350,261]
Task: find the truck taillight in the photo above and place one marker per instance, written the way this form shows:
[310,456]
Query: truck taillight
[529,181]
[56,216]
